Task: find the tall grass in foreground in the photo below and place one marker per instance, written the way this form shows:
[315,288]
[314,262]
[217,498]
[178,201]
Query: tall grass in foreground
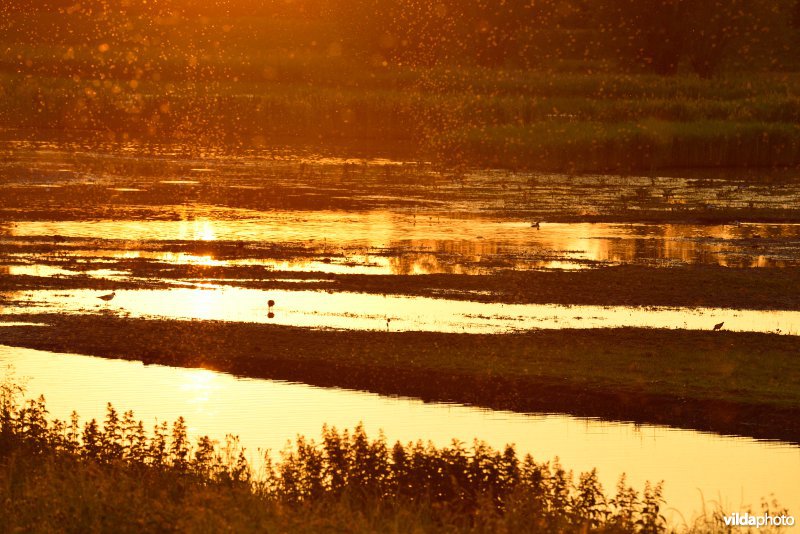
[57,475]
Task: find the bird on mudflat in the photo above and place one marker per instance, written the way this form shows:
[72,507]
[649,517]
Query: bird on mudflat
[718,326]
[108,297]
[535,224]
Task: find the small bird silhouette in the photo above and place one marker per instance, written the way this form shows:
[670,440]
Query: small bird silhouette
[107,297]
[535,224]
[718,326]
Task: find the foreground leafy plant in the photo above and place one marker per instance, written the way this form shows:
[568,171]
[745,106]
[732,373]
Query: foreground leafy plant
[454,487]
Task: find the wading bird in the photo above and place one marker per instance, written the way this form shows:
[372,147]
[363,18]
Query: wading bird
[718,326]
[535,224]
[107,297]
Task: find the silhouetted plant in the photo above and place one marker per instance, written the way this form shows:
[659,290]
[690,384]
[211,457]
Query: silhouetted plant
[92,441]
[651,521]
[589,505]
[157,448]
[625,503]
[72,435]
[232,465]
[33,425]
[203,459]
[112,443]
[477,487]
[336,460]
[179,446]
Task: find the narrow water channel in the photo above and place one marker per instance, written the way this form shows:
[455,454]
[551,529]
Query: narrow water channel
[364,311]
[735,472]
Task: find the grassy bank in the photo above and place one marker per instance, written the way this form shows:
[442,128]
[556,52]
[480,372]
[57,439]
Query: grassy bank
[116,476]
[200,82]
[589,145]
[519,126]
[646,375]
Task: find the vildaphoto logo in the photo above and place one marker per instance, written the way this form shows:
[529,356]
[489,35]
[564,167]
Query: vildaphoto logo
[758,521]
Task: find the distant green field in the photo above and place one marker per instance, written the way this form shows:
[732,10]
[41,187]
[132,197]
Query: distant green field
[250,82]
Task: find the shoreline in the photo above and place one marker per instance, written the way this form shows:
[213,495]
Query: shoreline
[541,371]
[623,285]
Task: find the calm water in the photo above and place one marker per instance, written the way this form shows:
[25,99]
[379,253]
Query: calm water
[364,311]
[733,471]
[368,242]
[68,210]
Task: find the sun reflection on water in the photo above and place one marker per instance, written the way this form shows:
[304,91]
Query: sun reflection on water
[364,311]
[199,388]
[357,242]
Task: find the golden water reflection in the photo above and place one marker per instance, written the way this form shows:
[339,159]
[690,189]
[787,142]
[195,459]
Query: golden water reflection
[266,414]
[363,311]
[466,241]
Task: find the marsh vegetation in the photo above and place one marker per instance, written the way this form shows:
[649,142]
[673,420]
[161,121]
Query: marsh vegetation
[115,473]
[559,85]
[395,196]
